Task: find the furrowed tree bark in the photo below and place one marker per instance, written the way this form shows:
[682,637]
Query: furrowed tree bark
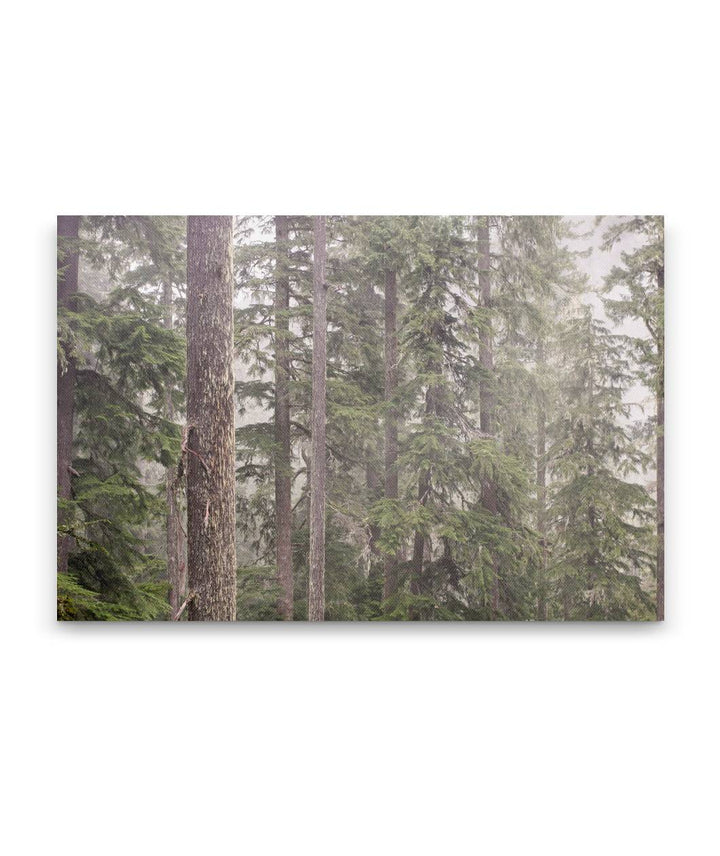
[487,395]
[176,568]
[283,472]
[660,452]
[210,421]
[316,583]
[390,581]
[67,284]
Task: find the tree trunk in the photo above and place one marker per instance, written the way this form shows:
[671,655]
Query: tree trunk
[176,568]
[541,484]
[418,556]
[390,581]
[283,471]
[210,420]
[67,277]
[566,599]
[424,484]
[660,452]
[487,395]
[374,486]
[316,583]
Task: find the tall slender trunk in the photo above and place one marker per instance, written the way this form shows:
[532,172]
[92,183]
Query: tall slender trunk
[67,283]
[566,598]
[487,394]
[541,485]
[418,555]
[210,420]
[374,453]
[316,583]
[390,581]
[373,484]
[176,568]
[283,472]
[660,452]
[424,485]
[592,556]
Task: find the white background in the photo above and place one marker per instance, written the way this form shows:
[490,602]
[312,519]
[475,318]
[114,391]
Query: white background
[359,739]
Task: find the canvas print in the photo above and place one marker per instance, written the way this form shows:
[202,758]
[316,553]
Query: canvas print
[360,418]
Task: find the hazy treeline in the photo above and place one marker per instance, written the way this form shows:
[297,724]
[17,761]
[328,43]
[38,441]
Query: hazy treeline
[354,418]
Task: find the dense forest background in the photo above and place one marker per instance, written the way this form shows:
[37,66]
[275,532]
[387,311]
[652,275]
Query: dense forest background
[360,418]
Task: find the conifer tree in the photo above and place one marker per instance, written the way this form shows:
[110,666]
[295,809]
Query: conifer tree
[537,279]
[603,538]
[260,592]
[126,360]
[437,338]
[176,567]
[487,393]
[641,280]
[316,585]
[541,487]
[533,273]
[165,237]
[67,275]
[283,472]
[390,582]
[210,442]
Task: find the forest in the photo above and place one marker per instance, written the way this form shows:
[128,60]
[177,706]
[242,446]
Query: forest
[352,418]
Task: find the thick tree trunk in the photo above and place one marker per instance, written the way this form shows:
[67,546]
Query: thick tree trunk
[283,471]
[176,568]
[316,582]
[660,451]
[390,581]
[67,276]
[487,394]
[541,485]
[210,421]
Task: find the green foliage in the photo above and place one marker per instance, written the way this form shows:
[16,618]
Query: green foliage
[634,291]
[130,365]
[95,589]
[257,593]
[604,536]
[494,541]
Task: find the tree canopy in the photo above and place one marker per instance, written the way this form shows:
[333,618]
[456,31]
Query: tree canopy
[492,417]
